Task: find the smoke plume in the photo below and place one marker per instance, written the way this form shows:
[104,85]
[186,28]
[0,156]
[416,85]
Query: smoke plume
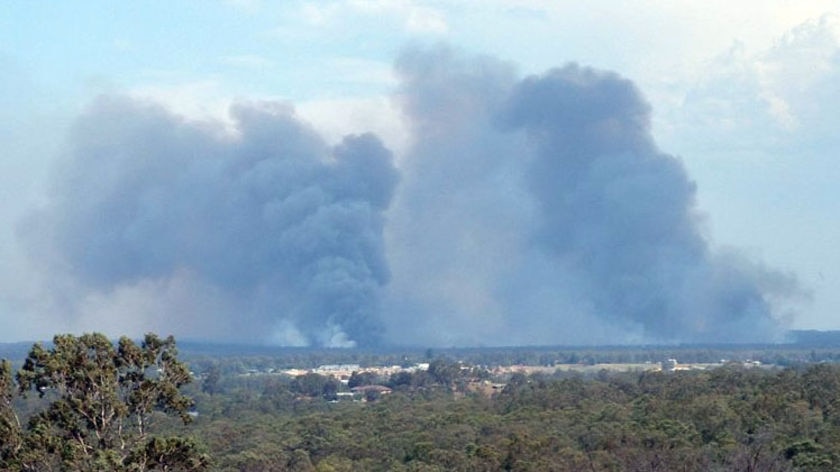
[262,234]
[539,210]
[533,210]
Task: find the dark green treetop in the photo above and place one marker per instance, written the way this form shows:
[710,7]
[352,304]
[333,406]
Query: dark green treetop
[99,401]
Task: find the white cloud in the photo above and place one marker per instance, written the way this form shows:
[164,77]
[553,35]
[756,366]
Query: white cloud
[426,20]
[198,100]
[336,118]
[768,98]
[319,15]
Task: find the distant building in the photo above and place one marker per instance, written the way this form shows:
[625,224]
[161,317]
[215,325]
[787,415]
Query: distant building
[364,389]
[669,365]
[332,368]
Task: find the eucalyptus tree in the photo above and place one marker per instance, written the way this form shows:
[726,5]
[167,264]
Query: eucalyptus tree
[10,432]
[99,404]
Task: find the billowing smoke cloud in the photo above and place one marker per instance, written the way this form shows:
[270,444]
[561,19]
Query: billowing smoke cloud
[621,215]
[541,211]
[528,211]
[263,233]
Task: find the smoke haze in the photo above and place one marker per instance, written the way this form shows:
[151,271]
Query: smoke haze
[533,210]
[540,211]
[266,234]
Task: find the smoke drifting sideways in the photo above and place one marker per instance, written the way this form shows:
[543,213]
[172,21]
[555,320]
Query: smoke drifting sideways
[540,211]
[265,234]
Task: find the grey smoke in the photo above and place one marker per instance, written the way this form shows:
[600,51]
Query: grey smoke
[533,210]
[278,236]
[621,214]
[539,210]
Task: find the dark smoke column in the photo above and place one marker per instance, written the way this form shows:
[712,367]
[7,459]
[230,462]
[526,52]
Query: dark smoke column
[541,211]
[621,213]
[259,233]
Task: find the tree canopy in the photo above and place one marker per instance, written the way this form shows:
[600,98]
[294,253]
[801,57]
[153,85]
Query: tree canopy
[97,403]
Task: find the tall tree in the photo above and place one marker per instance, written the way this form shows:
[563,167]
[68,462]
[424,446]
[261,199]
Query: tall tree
[99,402]
[10,432]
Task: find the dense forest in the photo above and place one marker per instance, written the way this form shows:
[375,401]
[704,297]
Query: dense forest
[450,416]
[731,418]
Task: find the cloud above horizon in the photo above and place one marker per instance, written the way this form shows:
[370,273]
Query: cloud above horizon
[769,100]
[535,210]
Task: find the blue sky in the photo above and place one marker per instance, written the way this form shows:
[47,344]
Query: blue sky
[745,94]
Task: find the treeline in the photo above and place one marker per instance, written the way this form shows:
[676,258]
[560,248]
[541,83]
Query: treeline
[730,418]
[234,360]
[240,359]
[89,404]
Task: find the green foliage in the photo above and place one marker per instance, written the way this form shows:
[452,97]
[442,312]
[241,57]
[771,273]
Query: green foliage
[98,405]
[315,385]
[359,379]
[10,430]
[729,418]
[210,383]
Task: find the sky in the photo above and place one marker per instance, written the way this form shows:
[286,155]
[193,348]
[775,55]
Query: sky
[358,172]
